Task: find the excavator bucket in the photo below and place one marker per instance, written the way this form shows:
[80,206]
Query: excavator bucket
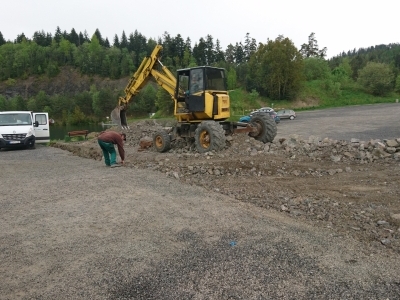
[118,116]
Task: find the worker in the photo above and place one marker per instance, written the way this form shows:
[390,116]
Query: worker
[107,140]
[196,84]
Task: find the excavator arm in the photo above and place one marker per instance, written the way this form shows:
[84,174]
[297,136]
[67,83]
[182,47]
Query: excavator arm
[146,70]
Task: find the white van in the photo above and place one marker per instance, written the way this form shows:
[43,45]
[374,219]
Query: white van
[23,129]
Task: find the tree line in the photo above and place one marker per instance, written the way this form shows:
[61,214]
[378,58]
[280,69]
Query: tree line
[276,69]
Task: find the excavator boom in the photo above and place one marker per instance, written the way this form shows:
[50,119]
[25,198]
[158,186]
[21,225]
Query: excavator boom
[146,70]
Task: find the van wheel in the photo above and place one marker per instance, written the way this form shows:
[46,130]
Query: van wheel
[32,146]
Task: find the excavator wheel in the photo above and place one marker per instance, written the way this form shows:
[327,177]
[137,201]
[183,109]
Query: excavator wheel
[266,127]
[162,141]
[209,135]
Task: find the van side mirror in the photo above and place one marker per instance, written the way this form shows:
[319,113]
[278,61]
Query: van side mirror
[36,124]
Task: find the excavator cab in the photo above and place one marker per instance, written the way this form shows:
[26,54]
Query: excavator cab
[201,86]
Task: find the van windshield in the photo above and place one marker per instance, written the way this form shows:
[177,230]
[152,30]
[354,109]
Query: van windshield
[15,119]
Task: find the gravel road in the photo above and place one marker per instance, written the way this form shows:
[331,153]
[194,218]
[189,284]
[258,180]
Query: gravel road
[377,121]
[73,229]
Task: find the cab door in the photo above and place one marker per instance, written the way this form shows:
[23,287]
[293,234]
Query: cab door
[42,132]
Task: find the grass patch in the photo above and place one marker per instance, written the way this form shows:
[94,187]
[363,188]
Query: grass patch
[68,139]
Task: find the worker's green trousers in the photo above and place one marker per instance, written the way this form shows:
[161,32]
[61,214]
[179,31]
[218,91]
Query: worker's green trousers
[110,156]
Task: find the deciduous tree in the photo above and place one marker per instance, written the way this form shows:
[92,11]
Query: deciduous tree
[316,68]
[376,78]
[277,69]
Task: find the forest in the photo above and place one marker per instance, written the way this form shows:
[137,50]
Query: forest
[273,71]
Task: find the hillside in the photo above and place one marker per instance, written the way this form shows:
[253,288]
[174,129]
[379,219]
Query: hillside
[69,81]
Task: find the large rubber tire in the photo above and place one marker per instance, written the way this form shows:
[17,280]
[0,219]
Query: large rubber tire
[209,136]
[162,141]
[266,125]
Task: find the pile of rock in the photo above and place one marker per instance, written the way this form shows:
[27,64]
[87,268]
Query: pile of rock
[353,150]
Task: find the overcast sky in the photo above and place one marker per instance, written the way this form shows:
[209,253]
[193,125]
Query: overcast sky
[338,25]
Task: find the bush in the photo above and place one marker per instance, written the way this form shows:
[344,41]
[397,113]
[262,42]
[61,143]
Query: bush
[376,78]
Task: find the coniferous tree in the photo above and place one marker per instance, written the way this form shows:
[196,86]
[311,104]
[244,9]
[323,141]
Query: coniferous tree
[49,38]
[179,46]
[74,37]
[58,35]
[137,44]
[81,39]
[166,43]
[230,54]
[131,43]
[199,52]
[219,54]
[99,37]
[21,37]
[246,47]
[253,47]
[65,35]
[210,51]
[188,45]
[311,49]
[106,43]
[124,41]
[40,38]
[86,37]
[2,40]
[240,55]
[116,42]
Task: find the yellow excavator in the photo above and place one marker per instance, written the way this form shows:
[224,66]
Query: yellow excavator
[201,106]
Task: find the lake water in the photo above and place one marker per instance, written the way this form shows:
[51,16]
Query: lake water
[59,132]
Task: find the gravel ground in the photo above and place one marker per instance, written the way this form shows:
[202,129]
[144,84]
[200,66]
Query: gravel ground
[74,229]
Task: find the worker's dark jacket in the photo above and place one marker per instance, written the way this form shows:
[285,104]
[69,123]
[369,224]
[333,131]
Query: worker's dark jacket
[115,138]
